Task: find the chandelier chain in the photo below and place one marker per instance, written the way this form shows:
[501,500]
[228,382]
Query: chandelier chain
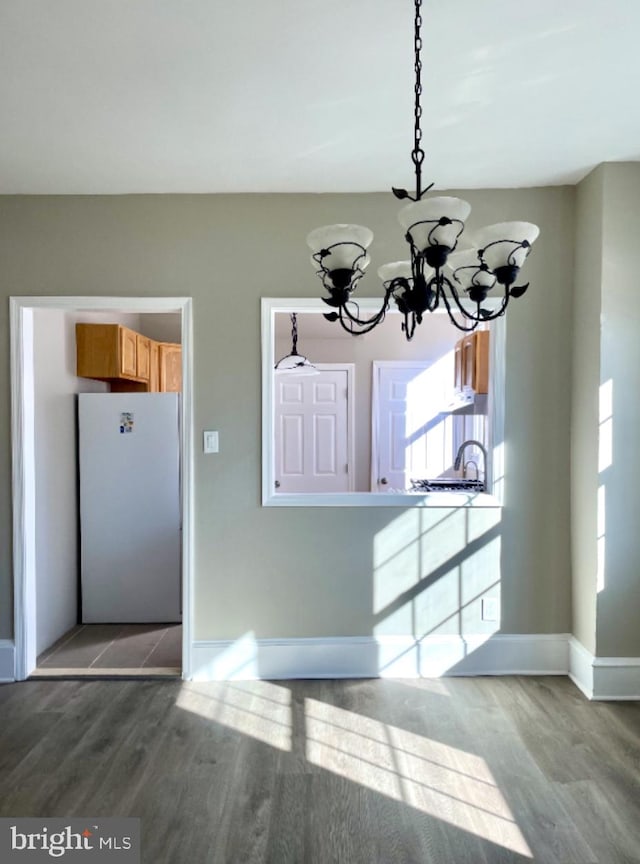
[417,154]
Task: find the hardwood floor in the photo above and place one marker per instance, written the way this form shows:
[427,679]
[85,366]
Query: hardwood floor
[449,771]
[99,650]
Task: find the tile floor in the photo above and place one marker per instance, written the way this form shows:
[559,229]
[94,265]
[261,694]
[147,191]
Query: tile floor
[112,649]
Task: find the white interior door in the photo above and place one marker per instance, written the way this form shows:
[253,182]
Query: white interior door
[312,452]
[412,436]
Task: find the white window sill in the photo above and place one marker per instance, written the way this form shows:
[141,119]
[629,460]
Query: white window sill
[442,500]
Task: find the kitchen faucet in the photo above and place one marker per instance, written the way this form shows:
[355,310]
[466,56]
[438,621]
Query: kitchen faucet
[471,442]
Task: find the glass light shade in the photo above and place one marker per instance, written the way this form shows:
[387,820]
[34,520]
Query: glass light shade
[466,270]
[503,253]
[395,270]
[295,364]
[429,211]
[336,262]
[350,237]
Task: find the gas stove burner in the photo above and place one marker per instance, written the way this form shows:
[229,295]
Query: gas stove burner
[447,484]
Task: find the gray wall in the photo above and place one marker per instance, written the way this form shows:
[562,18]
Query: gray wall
[618,606]
[305,572]
[606,412]
[584,408]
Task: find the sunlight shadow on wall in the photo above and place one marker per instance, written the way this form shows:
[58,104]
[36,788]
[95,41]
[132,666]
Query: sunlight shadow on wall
[497,467]
[431,576]
[449,784]
[259,709]
[232,662]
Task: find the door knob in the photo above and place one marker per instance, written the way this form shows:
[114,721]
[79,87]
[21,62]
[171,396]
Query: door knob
[277,484]
[383,481]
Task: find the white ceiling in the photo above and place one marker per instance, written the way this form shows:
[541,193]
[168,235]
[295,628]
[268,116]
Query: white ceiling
[116,96]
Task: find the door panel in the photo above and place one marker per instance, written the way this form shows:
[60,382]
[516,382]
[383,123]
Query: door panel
[311,429]
[325,444]
[292,441]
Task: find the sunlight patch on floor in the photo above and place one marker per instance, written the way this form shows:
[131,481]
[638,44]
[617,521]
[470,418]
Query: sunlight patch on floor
[259,709]
[441,781]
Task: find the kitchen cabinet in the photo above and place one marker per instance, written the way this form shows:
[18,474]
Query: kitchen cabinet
[471,357]
[143,358]
[154,367]
[127,360]
[170,366]
[107,351]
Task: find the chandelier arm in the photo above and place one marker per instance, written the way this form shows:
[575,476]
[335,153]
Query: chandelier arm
[348,319]
[517,246]
[451,311]
[362,328]
[365,322]
[437,224]
[479,317]
[409,329]
[434,301]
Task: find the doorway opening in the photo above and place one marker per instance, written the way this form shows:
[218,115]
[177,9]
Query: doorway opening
[71,619]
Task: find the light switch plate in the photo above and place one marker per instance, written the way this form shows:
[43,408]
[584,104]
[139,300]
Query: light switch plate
[211,442]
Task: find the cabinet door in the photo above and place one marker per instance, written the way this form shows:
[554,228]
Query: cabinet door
[154,367]
[128,352]
[170,367]
[468,361]
[143,356]
[481,362]
[98,351]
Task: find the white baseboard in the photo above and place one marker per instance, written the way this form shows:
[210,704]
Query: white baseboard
[7,660]
[604,678]
[599,678]
[384,656]
[581,667]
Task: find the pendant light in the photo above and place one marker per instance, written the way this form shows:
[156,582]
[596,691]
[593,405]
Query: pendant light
[294,363]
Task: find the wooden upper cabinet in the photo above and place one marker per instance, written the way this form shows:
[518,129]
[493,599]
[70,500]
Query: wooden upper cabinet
[170,364]
[143,357]
[472,363]
[480,381]
[128,360]
[128,353]
[468,361]
[105,351]
[154,366]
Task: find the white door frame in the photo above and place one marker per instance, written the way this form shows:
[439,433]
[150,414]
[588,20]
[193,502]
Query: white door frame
[23,457]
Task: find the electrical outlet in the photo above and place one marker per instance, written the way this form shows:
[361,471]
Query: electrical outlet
[490,609]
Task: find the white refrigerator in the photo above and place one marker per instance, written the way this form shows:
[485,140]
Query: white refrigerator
[130,525]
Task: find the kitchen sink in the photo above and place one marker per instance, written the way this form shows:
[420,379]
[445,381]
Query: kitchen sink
[447,484]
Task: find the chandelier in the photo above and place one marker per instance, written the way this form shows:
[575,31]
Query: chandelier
[433,228]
